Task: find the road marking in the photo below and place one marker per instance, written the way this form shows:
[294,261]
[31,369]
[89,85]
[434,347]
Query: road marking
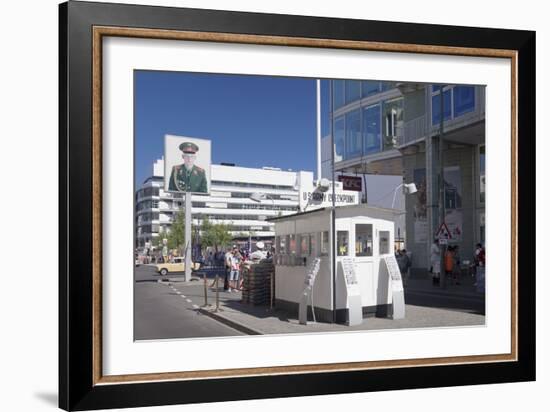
[189,300]
[195,306]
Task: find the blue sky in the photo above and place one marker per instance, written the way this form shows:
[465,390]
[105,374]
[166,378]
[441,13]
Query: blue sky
[252,121]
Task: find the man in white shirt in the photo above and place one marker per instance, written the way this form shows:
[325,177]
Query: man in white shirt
[227,259]
[435,260]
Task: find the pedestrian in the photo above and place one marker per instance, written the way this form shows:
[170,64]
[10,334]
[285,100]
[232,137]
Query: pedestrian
[450,263]
[404,264]
[227,261]
[479,261]
[235,270]
[435,260]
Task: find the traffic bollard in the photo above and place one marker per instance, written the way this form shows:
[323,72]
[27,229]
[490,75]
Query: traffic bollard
[271,290]
[217,295]
[205,291]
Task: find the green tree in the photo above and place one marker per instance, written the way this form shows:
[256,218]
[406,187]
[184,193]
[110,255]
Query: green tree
[215,234]
[176,237]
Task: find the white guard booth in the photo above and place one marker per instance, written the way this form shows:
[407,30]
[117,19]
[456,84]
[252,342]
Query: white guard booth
[366,282]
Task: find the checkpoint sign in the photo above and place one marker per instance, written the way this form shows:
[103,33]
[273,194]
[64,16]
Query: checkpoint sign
[443,234]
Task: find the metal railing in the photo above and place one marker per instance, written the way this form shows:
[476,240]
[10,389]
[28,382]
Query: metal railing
[412,130]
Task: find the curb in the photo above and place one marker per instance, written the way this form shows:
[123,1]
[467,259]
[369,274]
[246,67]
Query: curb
[445,294]
[231,323]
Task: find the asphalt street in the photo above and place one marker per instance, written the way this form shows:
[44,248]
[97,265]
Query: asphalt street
[168,308]
[161,312]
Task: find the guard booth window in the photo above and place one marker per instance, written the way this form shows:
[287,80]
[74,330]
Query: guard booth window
[363,240]
[384,242]
[342,242]
[282,245]
[324,243]
[292,245]
[313,244]
[305,245]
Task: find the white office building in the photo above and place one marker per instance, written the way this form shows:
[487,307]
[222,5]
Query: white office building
[239,196]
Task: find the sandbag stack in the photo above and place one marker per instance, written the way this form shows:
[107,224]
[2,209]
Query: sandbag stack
[257,283]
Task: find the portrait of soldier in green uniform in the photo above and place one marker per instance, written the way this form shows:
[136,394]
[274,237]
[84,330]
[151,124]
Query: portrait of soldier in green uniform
[188,177]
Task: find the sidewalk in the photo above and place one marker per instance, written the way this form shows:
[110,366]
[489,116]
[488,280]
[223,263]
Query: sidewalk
[466,288]
[260,320]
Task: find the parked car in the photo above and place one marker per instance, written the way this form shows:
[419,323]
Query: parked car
[178,265]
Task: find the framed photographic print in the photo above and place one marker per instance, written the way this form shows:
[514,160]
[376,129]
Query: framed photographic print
[256,205]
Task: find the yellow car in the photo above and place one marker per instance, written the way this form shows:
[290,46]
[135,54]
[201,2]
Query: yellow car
[178,265]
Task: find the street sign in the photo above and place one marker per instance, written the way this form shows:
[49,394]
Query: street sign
[443,233]
[354,183]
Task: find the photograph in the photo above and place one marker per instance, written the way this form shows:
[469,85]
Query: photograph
[287,152]
[266,206]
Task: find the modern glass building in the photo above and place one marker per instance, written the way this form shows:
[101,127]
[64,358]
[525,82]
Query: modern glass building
[392,128]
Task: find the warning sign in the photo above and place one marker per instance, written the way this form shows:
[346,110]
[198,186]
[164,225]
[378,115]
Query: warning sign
[443,234]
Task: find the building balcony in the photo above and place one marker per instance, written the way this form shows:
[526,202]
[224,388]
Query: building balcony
[468,128]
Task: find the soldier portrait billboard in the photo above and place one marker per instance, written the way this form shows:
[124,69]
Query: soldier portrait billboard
[186,164]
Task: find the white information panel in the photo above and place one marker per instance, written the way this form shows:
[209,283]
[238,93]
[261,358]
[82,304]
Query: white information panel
[398,295]
[355,306]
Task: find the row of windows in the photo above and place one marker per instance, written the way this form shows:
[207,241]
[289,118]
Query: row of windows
[155,228]
[261,207]
[348,91]
[238,206]
[304,245]
[148,229]
[148,204]
[368,130]
[147,217]
[230,217]
[148,192]
[254,185]
[457,101]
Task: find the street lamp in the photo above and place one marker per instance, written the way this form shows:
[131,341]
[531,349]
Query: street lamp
[408,189]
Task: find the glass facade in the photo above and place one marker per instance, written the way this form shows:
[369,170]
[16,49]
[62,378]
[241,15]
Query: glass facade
[339,93]
[353,90]
[392,122]
[349,91]
[353,134]
[436,106]
[457,101]
[339,138]
[370,87]
[371,128]
[359,132]
[463,100]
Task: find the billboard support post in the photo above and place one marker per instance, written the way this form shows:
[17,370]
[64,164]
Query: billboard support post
[187,240]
